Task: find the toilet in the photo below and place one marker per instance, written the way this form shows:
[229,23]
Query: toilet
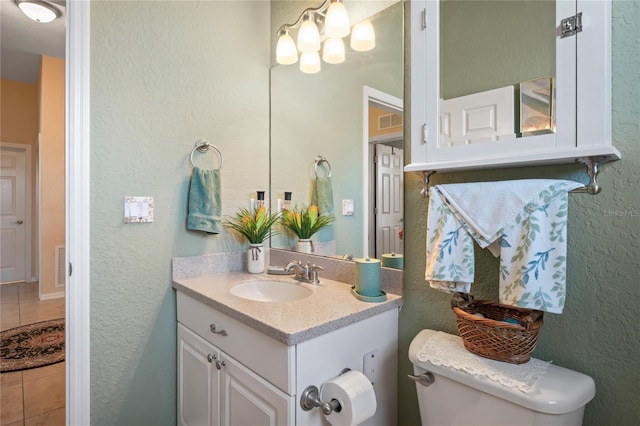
[458,398]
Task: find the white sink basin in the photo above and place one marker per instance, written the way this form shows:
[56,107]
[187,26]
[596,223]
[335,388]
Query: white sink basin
[270,291]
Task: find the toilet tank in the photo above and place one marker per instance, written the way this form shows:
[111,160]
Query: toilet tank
[458,398]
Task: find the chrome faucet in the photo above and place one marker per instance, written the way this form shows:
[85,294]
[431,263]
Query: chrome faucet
[313,274]
[301,272]
[308,272]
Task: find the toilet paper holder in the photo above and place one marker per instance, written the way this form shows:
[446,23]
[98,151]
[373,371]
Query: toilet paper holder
[310,399]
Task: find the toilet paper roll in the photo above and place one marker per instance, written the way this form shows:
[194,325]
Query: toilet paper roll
[354,392]
[368,277]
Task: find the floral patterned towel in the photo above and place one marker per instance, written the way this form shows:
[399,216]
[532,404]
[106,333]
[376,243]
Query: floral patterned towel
[523,221]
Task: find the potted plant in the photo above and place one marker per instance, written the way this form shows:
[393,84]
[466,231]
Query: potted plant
[255,226]
[304,222]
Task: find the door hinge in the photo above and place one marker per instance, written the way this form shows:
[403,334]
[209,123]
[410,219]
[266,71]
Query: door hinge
[424,19]
[571,25]
[70,269]
[425,133]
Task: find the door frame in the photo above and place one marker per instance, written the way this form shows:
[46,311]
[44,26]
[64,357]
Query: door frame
[77,217]
[369,94]
[28,185]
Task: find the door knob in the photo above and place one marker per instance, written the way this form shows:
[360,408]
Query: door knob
[19,222]
[211,357]
[220,364]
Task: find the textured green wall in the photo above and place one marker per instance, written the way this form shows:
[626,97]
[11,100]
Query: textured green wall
[598,332]
[163,74]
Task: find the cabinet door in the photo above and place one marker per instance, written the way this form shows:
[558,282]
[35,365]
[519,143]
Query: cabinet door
[247,399]
[577,102]
[198,380]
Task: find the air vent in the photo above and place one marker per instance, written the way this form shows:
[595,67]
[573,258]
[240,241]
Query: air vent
[389,121]
[60,269]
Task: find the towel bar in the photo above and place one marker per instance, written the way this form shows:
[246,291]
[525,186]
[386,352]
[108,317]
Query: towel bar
[203,146]
[318,161]
[591,163]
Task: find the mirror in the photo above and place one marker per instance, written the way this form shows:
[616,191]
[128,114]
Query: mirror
[344,114]
[484,66]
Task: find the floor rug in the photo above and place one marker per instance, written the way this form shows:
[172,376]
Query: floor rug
[31,346]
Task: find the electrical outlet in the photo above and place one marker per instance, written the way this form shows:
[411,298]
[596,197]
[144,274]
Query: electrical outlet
[347,208]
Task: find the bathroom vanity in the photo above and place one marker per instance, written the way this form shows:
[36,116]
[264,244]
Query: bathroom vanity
[244,361]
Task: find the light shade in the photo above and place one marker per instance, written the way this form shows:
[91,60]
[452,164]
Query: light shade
[336,23]
[308,35]
[310,62]
[363,37]
[286,52]
[39,11]
[333,51]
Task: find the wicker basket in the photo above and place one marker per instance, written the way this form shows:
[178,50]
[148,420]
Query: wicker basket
[490,336]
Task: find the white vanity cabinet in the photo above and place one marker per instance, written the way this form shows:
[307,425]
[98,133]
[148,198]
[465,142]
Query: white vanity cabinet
[232,374]
[582,102]
[214,387]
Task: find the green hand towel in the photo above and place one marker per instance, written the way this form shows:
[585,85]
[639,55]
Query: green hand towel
[205,206]
[322,195]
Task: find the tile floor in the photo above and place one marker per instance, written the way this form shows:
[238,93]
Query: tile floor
[36,396]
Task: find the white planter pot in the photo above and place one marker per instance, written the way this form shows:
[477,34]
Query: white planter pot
[255,258]
[304,246]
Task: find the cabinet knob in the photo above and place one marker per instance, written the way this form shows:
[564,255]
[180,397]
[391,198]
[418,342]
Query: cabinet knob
[220,364]
[211,357]
[214,331]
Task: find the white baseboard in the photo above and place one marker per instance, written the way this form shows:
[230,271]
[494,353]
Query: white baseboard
[49,296]
[32,280]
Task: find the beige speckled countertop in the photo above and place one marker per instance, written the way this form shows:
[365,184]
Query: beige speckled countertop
[330,307]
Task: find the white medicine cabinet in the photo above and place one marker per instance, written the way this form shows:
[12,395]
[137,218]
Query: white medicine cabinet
[463,131]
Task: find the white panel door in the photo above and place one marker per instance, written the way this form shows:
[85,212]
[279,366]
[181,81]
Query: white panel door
[247,399]
[481,117]
[198,380]
[13,236]
[389,206]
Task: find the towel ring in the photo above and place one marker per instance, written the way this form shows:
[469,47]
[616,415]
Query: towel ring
[203,146]
[318,162]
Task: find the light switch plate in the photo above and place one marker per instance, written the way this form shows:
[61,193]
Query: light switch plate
[347,208]
[138,209]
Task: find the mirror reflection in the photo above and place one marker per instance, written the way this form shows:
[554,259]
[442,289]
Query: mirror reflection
[485,61]
[343,115]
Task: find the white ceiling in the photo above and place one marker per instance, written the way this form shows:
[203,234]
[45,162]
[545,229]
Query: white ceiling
[23,41]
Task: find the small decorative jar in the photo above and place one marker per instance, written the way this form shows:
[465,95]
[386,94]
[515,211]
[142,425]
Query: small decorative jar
[255,258]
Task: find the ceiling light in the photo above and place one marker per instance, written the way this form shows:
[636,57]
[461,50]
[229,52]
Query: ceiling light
[337,20]
[328,22]
[37,10]
[333,51]
[286,52]
[363,37]
[310,62]
[308,35]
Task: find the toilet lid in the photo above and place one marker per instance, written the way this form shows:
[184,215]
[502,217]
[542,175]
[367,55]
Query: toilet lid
[557,391]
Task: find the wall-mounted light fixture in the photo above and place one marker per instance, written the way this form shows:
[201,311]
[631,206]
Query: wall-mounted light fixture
[330,22]
[39,11]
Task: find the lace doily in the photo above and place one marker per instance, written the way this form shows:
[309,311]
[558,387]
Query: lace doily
[447,350]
